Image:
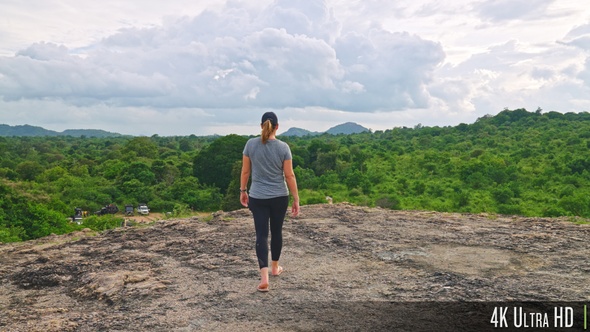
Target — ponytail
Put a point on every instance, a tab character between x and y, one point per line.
267	129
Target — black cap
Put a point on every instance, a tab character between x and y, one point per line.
270	116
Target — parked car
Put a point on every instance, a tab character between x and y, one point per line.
143	209
77	217
109	209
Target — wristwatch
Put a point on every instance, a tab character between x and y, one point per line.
244	190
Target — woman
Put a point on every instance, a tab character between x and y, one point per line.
270	162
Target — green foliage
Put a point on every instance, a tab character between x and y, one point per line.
308	197
23	219
514	163
213	165
190	192
141	147
102	223
517	162
390	201
231	201
11	234
139	171
306	178
577	204
181	210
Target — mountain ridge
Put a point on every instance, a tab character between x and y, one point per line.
28	130
346	128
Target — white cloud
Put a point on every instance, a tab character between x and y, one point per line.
374	60
584	75
47	71
209	62
578	37
506	10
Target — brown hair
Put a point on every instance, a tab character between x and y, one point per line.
267	129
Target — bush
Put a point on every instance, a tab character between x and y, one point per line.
102	223
13	234
181	210
509	209
554	212
576	205
161	205
389	202
502	195
308	197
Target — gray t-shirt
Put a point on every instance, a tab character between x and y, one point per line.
268	179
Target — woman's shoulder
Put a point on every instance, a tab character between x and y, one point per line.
254	140
279	142
283	146
251	145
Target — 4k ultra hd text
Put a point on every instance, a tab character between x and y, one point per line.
519	317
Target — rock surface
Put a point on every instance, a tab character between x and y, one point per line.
341	261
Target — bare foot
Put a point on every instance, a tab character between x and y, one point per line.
263	287
277	271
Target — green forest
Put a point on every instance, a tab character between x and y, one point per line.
514	163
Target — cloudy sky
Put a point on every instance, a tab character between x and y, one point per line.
179	67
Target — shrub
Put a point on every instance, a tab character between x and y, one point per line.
389	202
102	223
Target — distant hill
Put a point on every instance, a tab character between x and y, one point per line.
345	128
27	130
299	132
88	133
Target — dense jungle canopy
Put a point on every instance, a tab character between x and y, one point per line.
517	163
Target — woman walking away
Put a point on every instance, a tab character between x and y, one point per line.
269	161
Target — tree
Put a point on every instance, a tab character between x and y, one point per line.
231	200
213	165
535	164
28	170
23	219
137	191
139	171
142	147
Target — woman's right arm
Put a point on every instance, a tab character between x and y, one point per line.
292	184
246	168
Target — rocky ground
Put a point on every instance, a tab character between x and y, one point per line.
346	268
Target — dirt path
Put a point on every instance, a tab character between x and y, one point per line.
343	263
144	219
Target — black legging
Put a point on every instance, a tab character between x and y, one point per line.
265	210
